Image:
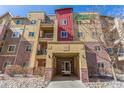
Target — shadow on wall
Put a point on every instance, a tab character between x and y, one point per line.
22	53
91	61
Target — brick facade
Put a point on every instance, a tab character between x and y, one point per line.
4	59
23	55
84	73
49	74
94	57
81	47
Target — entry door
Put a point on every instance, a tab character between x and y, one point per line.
66	67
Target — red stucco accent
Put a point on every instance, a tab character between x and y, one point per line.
65	14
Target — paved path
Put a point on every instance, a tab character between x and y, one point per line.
65	82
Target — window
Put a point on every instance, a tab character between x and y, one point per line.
64	34
11	48
81	34
110	50
120	52
31	34
8	63
78	22
48	35
64	22
0	48
1	45
18	22
101	65
33	22
15	35
97	48
1	21
94	34
28	48
114	65
25	64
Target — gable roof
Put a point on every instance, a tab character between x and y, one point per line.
7	13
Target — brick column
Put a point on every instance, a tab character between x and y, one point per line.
84	73
48	74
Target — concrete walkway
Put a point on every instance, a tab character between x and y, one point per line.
65	82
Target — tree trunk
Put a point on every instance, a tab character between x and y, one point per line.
114	73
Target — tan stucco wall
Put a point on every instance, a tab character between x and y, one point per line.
66	48
36	15
87	27
32	28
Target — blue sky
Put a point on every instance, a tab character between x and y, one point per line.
22	10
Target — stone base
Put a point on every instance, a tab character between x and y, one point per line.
84	73
48	74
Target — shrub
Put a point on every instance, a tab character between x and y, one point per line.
14	69
17	69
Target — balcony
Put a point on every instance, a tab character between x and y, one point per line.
121	58
121	54
48	24
46	36
45	39
41	54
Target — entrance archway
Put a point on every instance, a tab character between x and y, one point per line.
66	65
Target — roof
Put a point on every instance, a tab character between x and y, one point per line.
7	13
18	17
63	9
36	12
107	16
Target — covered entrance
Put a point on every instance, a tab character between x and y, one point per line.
66	64
66	59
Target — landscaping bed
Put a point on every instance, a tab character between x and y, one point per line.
22	82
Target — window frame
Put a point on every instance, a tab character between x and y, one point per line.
27	50
8	63
18	22
97	48
16	36
30	35
26	64
63	22
119	53
100	64
9	47
81	36
1	47
64	36
33	22
94	36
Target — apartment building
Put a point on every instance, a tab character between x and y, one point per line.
50	45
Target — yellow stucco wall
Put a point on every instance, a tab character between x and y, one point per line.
87	27
63	48
36	15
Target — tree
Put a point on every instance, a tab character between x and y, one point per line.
109	39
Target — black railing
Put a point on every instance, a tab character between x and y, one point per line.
47	22
42	52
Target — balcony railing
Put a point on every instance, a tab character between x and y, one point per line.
42	52
46	38
47	23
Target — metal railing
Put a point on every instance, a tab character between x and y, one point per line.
47	22
42	52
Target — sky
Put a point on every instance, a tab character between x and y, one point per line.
22	10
